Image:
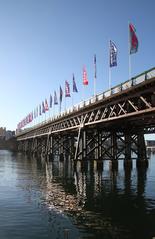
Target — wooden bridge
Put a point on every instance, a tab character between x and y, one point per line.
110	125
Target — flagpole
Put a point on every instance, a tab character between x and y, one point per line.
49	113
82	89
94	86
94	75
109	77
65	103
54	110
72	99
129	66
83	93
60	107
73	91
39	115
109	68
129	52
83	85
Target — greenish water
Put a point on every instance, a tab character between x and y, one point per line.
53	200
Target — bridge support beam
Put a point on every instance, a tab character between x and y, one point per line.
114	152
128	142
91	144
142	156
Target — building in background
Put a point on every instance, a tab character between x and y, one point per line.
2	133
9	134
6	134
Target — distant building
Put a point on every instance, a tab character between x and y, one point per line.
2	133
6	134
9	134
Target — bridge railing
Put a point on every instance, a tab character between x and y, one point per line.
114	90
99	97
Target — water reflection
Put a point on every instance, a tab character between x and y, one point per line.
40	199
104	203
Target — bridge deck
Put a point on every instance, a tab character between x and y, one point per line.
130	104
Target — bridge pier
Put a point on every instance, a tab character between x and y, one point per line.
51	155
114	146
84	145
98	147
92	144
128	149
113	151
142	156
61	148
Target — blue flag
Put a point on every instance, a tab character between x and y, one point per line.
39	109
50	101
113	54
74	85
55	98
61	94
43	107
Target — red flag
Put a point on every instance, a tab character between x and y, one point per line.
85	79
133	39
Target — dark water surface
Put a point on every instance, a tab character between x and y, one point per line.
52	200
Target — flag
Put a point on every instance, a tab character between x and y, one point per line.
50	101
113	54
55	98
95	66
61	94
67	89
43	107
133	39
85	79
35	113
39	109
27	119
46	105
32	115
74	85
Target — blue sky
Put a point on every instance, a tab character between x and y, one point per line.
43	42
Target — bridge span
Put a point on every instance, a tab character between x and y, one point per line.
110	125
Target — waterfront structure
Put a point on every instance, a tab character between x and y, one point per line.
2	133
6	134
110	125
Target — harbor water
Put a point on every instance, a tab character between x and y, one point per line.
56	200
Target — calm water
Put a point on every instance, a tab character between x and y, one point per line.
40	200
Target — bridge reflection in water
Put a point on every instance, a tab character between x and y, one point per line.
103	202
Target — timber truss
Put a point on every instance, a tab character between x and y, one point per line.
105	127
135	106
89	144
